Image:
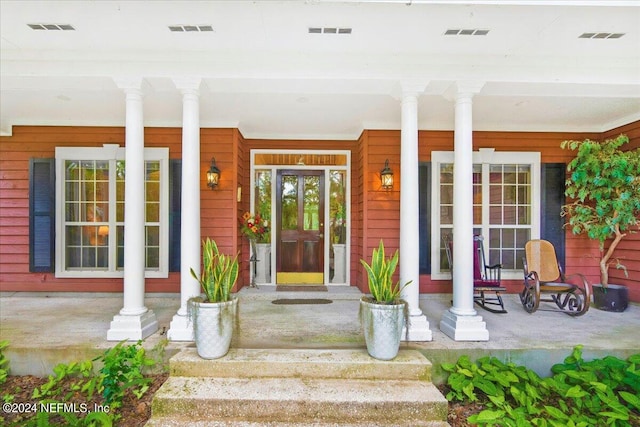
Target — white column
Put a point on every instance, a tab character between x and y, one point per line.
181	328
409	217
461	322
134	321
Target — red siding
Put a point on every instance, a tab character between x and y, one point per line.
581	252
629	249
375	212
380	208
358	209
26	143
40	141
242	205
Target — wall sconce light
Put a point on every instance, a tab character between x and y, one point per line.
213	175
386	176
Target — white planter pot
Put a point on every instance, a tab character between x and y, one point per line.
213	325
382	326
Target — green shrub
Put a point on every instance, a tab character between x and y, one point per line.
82	379
595	393
76	383
4	362
122	369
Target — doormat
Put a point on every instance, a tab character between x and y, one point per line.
300	288
301	301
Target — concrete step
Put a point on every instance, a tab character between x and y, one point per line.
297	388
184	422
300	400
292	363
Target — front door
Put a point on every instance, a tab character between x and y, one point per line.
300	235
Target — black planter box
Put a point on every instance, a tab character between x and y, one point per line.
611	298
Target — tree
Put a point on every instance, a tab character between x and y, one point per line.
605	187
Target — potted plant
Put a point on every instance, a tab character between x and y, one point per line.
257	230
214	312
604	184
384	314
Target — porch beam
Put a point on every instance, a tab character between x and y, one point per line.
134	321
418	328
461	322
181	328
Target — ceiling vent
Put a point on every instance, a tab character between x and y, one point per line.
466	32
600	35
52	27
190	28
330	30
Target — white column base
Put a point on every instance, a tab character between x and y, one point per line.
418	329
180	329
132	327
464	328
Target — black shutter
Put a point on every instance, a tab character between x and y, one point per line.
175	204
424	185
42	224
551	223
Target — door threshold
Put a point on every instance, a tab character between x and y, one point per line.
301	288
301	279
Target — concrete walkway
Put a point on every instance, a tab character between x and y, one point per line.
46	329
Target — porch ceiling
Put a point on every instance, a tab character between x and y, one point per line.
265	73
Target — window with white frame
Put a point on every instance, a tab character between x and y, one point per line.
506	206
90	201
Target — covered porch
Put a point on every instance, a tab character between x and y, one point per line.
46	329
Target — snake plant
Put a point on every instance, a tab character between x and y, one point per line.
219	272
380	275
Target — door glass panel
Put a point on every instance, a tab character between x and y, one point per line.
262	208
263	199
311	203
338	226
289	202
337	207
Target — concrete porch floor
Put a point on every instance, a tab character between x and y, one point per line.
46	329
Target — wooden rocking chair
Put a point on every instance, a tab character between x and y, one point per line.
543	275
486	278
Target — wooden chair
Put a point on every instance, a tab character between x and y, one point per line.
486	278
543	275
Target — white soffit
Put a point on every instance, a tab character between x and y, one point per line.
263	71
